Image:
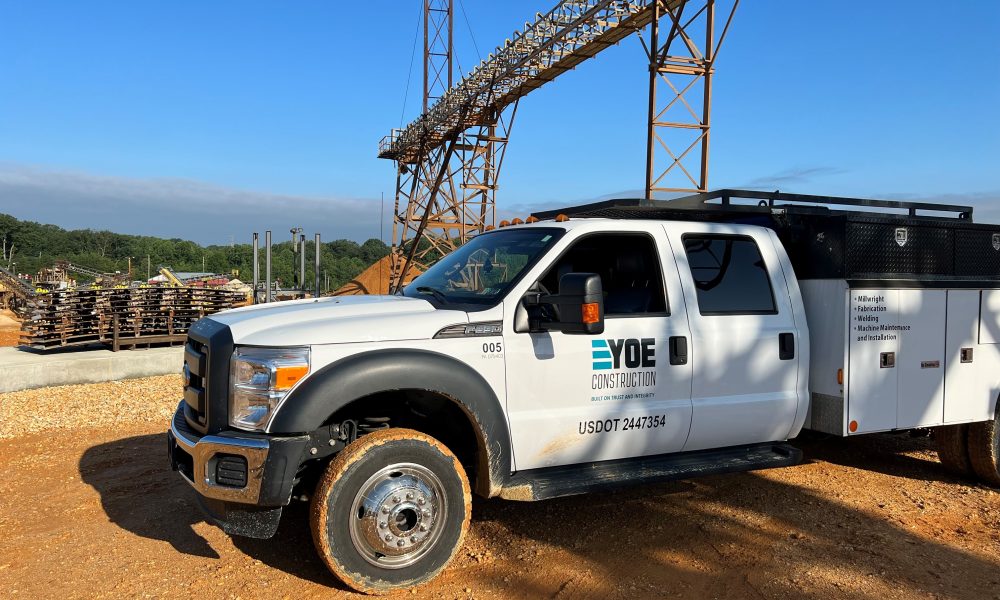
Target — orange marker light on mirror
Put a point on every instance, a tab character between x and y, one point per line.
286	377
853	426
591	314
840	376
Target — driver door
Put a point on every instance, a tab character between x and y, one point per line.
579	398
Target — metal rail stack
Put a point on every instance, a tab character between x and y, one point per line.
120	317
22	295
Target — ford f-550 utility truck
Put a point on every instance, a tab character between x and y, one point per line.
615	343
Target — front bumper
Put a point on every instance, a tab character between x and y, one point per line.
235	467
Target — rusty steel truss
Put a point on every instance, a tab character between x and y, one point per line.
449	159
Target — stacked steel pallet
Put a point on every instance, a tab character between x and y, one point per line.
120	317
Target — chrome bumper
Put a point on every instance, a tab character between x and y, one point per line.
205	451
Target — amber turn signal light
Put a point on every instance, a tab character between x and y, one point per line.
590	313
840	376
286	377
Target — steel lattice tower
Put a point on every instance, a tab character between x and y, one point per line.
449	159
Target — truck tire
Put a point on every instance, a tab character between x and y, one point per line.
953	448
390	511
984	450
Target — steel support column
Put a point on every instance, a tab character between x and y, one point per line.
679	122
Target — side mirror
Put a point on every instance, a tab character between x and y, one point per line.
577	308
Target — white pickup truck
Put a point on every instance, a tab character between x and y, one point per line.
617	343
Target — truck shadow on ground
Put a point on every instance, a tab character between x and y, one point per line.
741	535
738	536
888	453
140	493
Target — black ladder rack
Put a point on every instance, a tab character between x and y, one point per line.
766	203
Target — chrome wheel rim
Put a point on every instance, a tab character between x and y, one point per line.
398	515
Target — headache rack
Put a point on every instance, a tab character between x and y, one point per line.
830	237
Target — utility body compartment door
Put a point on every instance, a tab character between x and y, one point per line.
897	359
745	345
575	398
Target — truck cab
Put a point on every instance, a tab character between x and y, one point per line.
556	357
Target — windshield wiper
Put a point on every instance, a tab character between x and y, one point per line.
438	294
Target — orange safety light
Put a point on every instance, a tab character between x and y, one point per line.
490	228
504	223
531	219
516	222
561	217
286	377
853	426
591	314
840	376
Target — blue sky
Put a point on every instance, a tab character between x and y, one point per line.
208	119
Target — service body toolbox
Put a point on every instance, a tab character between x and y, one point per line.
622	342
901	312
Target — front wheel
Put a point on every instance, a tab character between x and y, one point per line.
390	511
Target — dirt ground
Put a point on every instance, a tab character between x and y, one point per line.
96	513
10	328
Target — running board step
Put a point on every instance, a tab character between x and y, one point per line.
554	482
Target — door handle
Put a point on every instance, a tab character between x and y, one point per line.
678	350
786	346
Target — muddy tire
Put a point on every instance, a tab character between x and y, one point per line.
390	511
953	448
984	450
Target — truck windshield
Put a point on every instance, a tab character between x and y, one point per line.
483	269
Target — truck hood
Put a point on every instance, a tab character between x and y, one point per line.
340	319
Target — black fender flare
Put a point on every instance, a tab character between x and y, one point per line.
341	382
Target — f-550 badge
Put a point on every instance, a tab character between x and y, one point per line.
996	241
901	236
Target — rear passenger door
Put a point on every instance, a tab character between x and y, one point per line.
744	343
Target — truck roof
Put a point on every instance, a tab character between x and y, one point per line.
830	237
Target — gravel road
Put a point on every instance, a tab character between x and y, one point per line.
94	512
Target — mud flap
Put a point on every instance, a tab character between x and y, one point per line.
241	519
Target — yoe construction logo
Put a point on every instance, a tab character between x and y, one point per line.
623	363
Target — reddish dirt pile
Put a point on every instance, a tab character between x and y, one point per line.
10	328
374	279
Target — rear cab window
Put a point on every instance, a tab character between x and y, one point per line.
729	274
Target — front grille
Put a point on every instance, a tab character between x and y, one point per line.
195	376
206	376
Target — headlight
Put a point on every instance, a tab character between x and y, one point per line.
259	378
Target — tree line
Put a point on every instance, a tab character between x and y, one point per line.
30	246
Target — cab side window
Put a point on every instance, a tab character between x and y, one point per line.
729	275
629	268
